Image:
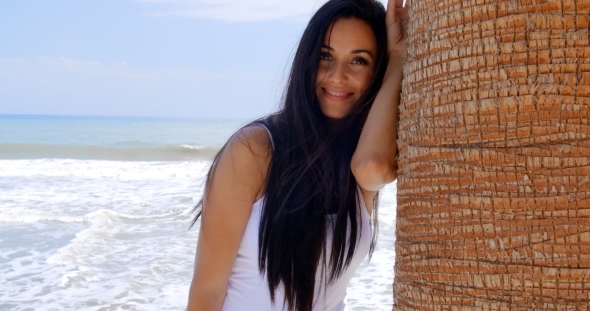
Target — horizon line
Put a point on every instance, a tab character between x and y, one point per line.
125	117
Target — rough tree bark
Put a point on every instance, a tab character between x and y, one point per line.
494	165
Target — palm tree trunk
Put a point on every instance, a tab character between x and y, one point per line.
494	165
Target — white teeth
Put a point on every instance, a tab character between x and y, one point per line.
336	94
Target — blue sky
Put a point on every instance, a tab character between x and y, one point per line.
155	58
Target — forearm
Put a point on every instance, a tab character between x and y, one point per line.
374	160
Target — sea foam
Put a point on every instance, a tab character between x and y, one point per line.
23	215
102	169
110	235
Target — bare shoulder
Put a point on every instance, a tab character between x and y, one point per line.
255	138
253	143
248	153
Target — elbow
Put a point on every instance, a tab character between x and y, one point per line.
375	172
203	300
203	296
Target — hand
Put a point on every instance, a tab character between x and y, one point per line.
395	19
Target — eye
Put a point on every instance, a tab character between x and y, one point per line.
325	56
360	61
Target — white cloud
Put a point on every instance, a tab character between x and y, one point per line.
239	10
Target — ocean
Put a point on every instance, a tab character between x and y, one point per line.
95	213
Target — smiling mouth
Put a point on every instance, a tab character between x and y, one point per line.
336	95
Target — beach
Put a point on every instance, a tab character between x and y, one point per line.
95	214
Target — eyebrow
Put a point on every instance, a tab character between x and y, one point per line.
352	52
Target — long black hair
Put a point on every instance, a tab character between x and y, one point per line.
309	176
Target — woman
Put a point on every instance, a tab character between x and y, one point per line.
288	201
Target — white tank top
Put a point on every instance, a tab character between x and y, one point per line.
247	289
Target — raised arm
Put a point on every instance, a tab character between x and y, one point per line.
238	181
374	160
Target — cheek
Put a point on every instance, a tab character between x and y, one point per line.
321	74
363	80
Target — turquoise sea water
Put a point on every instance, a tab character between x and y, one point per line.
112	138
94	213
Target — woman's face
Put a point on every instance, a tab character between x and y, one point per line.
347	65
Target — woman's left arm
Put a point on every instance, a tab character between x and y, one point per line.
374	161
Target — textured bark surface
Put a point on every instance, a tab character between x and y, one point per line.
494	165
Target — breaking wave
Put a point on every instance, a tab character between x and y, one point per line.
94	152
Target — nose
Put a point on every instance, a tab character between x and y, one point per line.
338	72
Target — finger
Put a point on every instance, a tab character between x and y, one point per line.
396	9
402	14
390	16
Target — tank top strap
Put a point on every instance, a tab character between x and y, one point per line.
269	135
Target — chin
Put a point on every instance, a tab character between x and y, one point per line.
336	111
332	114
